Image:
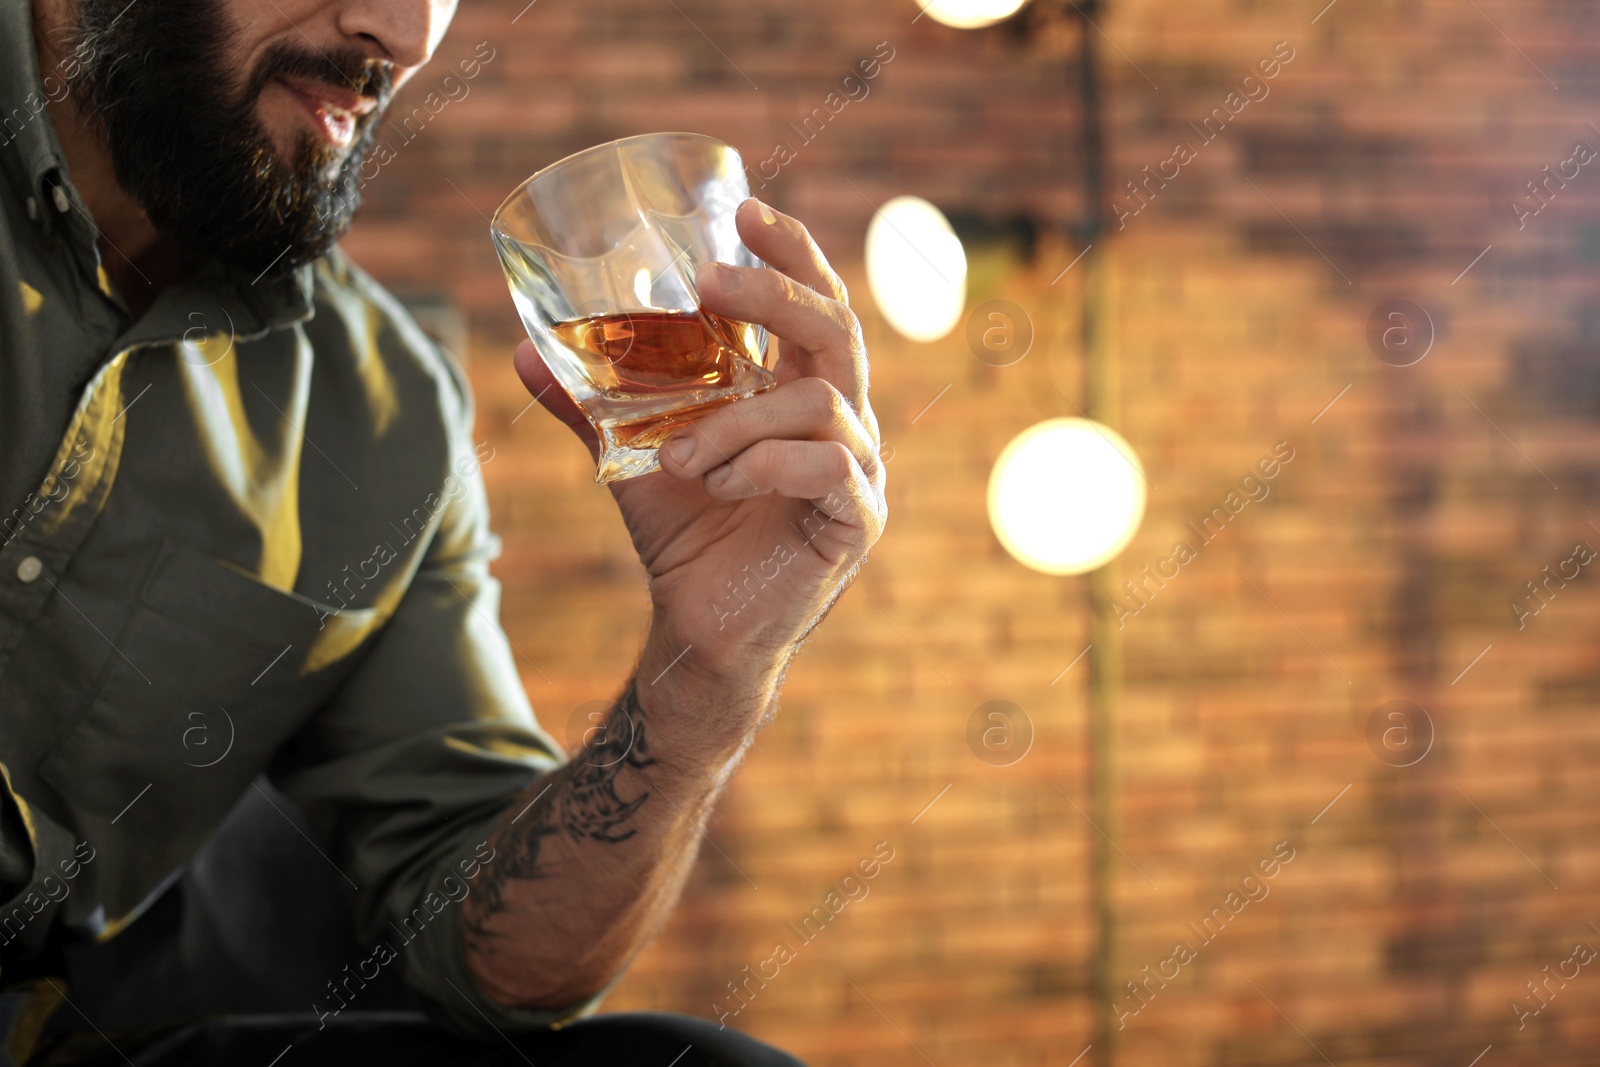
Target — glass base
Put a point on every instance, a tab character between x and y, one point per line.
619	462
629	448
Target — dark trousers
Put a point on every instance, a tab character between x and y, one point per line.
402	1039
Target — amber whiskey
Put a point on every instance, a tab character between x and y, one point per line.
670	367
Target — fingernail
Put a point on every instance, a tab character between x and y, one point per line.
767	215
719	477
730	278
679	449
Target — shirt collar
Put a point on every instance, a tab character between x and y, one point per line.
31	150
32	154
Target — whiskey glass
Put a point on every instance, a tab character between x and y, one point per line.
600	252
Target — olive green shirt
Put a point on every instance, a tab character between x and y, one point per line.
244	533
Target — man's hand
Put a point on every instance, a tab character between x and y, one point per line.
762	514
767	506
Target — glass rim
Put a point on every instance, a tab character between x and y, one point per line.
522	186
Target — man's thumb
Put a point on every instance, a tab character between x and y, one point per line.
542	384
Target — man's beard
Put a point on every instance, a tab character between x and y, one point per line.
186	141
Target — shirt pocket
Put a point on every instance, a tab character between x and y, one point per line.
213	671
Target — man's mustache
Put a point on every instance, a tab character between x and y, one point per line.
344	67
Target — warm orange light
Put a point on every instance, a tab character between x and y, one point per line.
971	14
1066	496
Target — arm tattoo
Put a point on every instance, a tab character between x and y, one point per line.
582	803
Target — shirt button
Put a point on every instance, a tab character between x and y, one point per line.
29	569
60	196
33	209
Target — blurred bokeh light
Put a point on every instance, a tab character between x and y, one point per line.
917	268
971	14
1066	496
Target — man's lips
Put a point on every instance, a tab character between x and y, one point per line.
333	110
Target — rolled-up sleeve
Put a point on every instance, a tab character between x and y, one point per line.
407	771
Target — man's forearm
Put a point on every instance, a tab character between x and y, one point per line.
592	858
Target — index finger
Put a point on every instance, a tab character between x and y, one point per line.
823	335
786	245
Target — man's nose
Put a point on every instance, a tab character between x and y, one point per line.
402	31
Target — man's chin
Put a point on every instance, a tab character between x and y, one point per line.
271	252
305	198
300	151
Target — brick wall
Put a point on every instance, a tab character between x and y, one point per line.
1383	564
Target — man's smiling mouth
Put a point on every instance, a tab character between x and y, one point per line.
333	110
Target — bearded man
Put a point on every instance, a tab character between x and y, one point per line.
244	510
